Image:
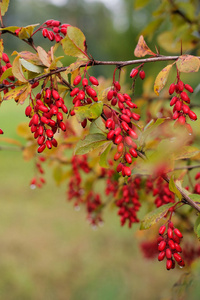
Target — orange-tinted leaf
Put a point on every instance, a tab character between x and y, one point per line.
43	55
10	141
188	63
142	49
161	79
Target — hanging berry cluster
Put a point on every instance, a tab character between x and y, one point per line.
38	180
197	184
160	189
46	113
129	202
121	129
83	93
169	246
54	30
180	103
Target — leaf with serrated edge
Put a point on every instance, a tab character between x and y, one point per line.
154	216
17	70
142	49
4	6
90	111
188	63
103	157
173	188
89	143
74	43
161	79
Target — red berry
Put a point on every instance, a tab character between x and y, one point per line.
28	110
77	80
128	158
142	74
170	233
118	139
169	264
49	144
171	88
117	85
41	148
180	86
189	88
45	32
162	229
5	58
1	131
162	246
173	100
127	171
168	253
161	255
85	82
133	73
185	97
55	95
192	115
133	152
178	233
93	80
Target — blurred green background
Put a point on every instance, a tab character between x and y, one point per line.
47	249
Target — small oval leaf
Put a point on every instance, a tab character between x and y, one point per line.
161	79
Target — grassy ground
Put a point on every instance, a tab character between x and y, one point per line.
48	251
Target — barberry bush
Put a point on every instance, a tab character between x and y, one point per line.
143	151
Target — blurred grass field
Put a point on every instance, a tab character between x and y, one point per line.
48	250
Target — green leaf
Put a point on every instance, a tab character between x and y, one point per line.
31	67
103	157
188	63
29	56
161	79
154	216
89	143
98	126
140	4
90	111
195	198
74	44
173	188
197	227
4	6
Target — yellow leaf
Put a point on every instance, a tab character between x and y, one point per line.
17	69
22	97
23	130
188	63
142	49
10	141
4	6
1	48
43	56
15	93
161	79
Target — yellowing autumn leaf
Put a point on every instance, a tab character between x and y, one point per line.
161	79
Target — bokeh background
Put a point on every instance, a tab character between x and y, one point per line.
47	249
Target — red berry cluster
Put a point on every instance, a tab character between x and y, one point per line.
54	29
38	180
162	193
190	253
111	182
121	129
94	205
197	184
84	94
75	189
169	246
46	117
5	59
129	203
149	249
180	103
